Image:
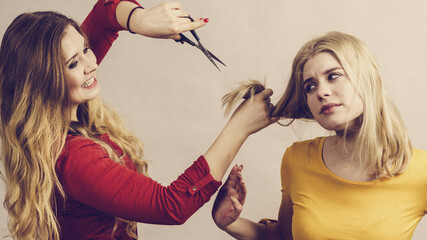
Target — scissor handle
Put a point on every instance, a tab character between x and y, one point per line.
185	39
193	31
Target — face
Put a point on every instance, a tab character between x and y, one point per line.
331	97
80	68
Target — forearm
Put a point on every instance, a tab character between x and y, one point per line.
222	152
244	229
122	15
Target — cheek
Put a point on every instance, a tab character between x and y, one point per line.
92	56
74	83
311	103
359	105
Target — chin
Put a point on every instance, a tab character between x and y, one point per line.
334	126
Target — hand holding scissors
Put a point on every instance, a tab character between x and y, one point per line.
166	20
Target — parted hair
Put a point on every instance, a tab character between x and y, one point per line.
382	142
35	116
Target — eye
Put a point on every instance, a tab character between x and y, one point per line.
333	76
73	65
86	50
309	87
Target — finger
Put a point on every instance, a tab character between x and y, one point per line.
236	204
181	14
265	94
232	177
270	108
239	172
242	192
199	22
172	5
274	119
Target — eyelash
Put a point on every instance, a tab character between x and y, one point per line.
330	76
74	64
311	85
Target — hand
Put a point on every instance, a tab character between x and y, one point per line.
230	199
166	20
254	114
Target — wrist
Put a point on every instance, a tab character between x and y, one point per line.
236	130
131	13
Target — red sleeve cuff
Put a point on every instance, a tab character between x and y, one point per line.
205	181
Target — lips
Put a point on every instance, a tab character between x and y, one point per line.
328	108
89	83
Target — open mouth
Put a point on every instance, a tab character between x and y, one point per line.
89	83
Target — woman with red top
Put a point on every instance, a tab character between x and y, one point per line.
72	170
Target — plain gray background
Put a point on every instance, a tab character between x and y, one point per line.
169	93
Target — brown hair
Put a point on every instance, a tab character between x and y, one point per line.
35	118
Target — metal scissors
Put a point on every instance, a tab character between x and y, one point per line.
199	45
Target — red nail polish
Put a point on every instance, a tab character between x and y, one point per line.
200	18
206	20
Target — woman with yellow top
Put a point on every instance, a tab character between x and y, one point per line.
364	182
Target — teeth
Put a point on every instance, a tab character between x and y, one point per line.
88	82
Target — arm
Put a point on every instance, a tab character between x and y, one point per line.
89	176
166	20
251	116
229	204
109	17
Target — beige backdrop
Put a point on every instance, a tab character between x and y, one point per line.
170	93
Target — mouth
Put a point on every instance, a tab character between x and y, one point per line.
329	108
89	83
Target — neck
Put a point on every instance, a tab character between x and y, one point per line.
344	143
74	113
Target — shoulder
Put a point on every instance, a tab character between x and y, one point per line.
302	151
419	158
74	143
79	151
304	147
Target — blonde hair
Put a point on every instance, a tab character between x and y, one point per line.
382	144
35	119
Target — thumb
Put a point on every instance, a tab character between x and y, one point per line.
266	93
175	37
236	204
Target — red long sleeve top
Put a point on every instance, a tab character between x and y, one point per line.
98	189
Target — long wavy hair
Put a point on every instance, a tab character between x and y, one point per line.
35	115
382	143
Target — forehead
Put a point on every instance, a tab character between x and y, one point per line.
71	42
319	64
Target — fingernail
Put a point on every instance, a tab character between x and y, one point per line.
206	20
201	18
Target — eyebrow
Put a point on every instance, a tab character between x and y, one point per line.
325	72
85	44
75	55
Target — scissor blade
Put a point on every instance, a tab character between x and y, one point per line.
210	54
214	57
203	49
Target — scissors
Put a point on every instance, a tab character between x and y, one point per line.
199	45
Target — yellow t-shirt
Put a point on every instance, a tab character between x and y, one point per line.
320	205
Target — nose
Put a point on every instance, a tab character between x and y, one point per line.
90	63
323	90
